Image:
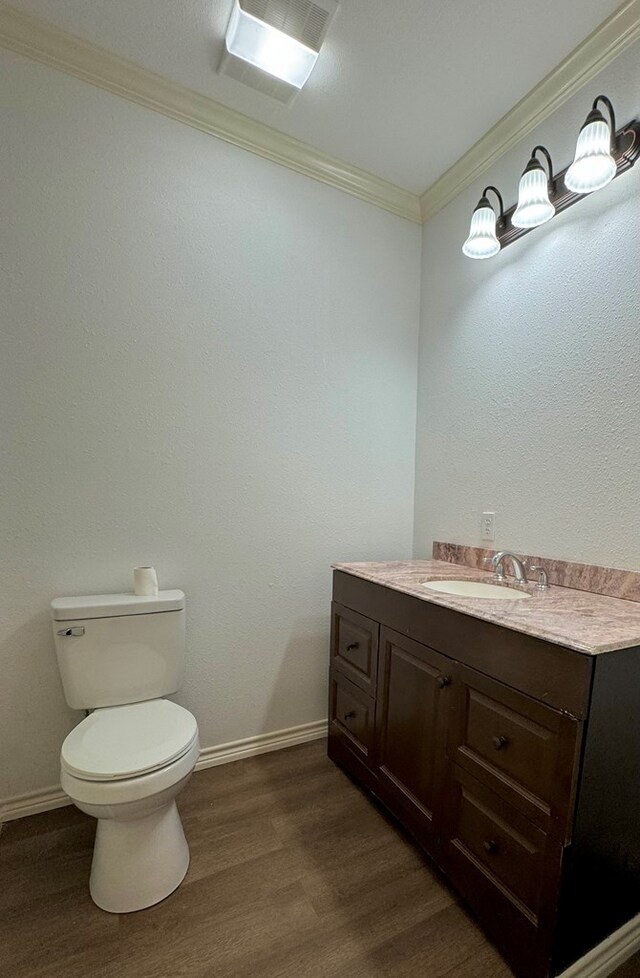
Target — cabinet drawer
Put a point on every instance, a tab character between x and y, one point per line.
506	868
520	748
351	714
497	837
354	647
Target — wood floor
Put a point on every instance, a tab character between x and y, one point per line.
631	969
294	874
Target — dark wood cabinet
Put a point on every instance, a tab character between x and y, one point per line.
411	730
493	749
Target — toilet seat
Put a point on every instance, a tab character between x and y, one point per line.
119	743
124	791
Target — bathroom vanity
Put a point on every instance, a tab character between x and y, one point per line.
507	742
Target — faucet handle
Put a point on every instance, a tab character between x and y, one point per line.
543	578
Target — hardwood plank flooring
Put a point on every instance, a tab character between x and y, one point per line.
294	873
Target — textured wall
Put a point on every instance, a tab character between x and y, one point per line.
529	376
208	363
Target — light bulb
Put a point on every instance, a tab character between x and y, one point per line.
482	241
594	166
534	206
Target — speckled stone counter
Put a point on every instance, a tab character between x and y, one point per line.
581	620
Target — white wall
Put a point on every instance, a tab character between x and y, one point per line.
529	377
208	363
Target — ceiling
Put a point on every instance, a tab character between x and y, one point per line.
402	88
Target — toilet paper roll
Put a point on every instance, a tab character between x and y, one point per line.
145	582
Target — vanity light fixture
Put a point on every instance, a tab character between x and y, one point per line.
602	153
483	240
594	166
534	206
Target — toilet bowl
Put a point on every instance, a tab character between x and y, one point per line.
125	765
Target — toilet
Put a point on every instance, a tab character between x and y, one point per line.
119	655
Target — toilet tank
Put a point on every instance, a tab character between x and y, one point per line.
119	648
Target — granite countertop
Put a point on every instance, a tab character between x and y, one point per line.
581	620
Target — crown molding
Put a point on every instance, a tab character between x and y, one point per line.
43	42
610	39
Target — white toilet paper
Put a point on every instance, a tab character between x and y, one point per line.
145	582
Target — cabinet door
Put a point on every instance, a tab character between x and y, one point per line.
414	685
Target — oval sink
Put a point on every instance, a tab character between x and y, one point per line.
476	589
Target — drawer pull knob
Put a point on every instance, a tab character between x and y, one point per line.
444	681
490	846
499	742
350	715
353	646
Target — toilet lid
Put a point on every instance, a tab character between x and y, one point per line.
126	741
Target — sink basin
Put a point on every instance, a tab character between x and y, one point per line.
476	589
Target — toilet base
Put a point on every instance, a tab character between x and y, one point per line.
138	861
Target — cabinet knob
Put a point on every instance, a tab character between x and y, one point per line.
353	646
499	742
350	715
444	681
490	846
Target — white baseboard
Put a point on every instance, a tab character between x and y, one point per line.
609	955
262	744
32	803
35	802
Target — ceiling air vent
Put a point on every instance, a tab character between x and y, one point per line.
272	45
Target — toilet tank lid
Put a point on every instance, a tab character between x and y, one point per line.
115	605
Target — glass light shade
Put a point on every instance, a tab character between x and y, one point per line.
482	241
594	166
534	206
269	49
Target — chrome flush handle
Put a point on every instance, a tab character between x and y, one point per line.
72	632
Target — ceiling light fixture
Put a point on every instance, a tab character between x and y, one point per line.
534	206
273	45
602	153
594	166
483	241
269	49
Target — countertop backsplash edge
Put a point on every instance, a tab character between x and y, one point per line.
609	581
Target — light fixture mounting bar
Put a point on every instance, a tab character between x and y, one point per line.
626	152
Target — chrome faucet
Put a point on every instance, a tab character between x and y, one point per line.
497	561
